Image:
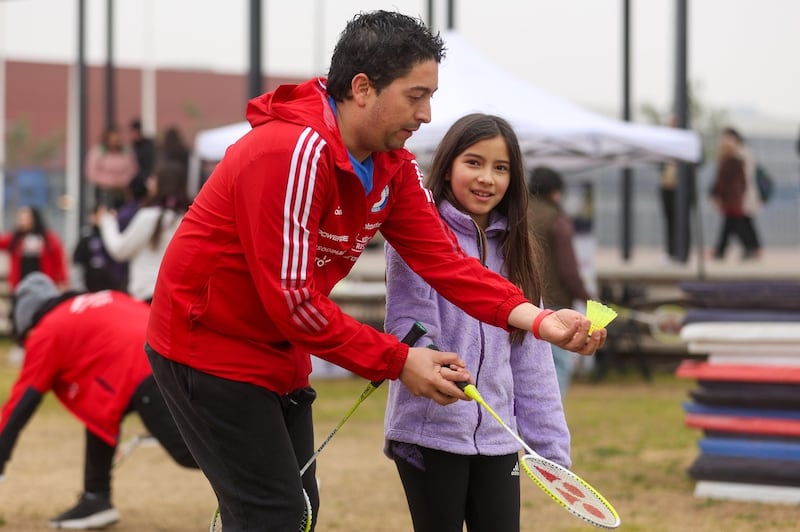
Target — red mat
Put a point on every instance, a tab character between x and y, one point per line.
746	425
690	369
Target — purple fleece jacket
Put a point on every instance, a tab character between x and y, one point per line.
517	380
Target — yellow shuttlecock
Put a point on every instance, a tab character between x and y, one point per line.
599	314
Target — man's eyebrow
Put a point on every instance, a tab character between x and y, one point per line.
421	88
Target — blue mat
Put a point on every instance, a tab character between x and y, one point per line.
769	450
691	407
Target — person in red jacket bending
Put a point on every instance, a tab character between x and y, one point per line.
87	349
242	296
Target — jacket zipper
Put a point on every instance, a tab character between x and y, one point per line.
482	245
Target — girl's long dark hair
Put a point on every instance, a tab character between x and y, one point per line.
520	249
171	180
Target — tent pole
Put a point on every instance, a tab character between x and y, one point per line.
111	95
683	197
626	224
82	111
254	84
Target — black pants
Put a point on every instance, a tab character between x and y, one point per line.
148	402
671	246
481	491
741	227
249	442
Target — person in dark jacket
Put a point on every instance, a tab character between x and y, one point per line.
563	284
145	150
87	349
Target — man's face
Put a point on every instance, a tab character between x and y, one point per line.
399	109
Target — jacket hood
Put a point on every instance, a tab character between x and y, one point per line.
304	104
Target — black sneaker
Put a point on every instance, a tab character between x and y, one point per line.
93	511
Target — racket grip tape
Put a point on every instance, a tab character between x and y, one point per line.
416	332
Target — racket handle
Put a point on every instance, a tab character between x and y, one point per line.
461	384
416	332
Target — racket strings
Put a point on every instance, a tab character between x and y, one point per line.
570	491
305	524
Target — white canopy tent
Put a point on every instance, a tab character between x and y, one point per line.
551	130
210	145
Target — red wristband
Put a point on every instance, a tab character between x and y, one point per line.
538	322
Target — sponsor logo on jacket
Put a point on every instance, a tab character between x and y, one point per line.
381	203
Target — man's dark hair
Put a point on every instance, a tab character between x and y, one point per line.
384	45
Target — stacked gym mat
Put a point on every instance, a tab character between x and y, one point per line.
747	400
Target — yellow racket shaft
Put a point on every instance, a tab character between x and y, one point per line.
546	467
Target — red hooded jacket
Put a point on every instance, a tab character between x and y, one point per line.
243	288
51	262
88	351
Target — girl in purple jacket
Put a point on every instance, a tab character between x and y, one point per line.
456	464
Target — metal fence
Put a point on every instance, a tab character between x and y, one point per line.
778	223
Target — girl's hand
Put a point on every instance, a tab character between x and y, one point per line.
569	329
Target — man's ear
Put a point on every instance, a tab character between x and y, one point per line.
361	87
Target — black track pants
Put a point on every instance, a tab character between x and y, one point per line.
249	442
481	491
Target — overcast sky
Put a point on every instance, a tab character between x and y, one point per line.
743	54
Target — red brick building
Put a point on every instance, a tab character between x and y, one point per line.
37	99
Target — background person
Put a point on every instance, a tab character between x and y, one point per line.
173	147
32	247
735	196
144	149
553	230
455	463
752	199
144	240
110	166
242	295
87	349
98	271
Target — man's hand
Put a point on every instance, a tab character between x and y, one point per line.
430	373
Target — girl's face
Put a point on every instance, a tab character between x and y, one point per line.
25	219
479	178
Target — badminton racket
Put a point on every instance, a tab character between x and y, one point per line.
125	449
664	322
562	485
305	524
415	333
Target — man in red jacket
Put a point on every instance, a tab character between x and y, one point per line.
242	300
87	349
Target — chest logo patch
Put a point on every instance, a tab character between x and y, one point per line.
381	203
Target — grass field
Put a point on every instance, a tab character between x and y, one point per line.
629	441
